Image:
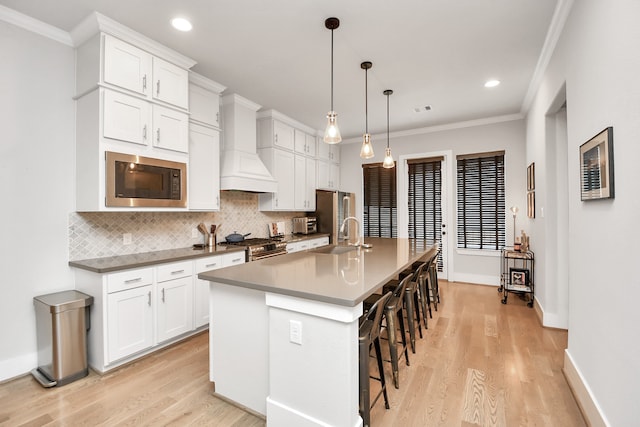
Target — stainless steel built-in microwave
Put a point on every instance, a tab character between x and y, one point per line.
136	181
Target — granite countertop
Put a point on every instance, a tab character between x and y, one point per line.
343	279
124	262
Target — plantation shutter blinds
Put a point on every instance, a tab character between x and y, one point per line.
481	201
380	206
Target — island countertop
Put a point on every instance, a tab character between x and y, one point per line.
344	279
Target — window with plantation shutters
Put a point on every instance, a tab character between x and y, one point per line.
380	206
481	204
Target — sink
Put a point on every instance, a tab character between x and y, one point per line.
334	249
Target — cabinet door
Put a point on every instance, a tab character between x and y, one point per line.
283	135
284	174
170	129
204	106
327	175
320	241
170	83
310	145
204	168
175	307
201	290
129	322
310	184
293	247
126	66
300	139
233	258
126	118
299	183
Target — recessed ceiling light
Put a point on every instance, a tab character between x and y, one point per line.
181	24
492	83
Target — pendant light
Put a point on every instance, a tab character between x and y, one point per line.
366	152
332	133
388	162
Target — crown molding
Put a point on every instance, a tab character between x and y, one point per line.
445	127
558	21
234	98
206	83
35	26
97	22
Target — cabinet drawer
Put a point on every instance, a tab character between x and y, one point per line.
129	279
174	270
206	264
233	258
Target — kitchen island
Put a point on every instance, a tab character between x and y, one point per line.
284	330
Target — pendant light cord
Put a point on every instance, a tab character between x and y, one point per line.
366	101
331	70
387	120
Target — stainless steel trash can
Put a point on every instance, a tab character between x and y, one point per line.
62	321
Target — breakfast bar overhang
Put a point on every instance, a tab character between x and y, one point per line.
284	330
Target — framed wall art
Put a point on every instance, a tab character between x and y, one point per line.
531	177
596	167
531	204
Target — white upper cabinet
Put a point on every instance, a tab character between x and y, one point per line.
204	168
305	143
126	118
283	135
170	83
170	129
126	66
204	100
328	175
304	183
311	145
330	152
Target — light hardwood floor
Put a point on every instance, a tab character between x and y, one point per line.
480	363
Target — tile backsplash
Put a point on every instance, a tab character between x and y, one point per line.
100	234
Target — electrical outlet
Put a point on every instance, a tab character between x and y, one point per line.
194	233
295	331
126	239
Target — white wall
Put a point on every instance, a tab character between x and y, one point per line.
597	59
37	149
463	138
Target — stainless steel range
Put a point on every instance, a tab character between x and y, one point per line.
257	249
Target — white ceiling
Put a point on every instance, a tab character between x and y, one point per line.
277	52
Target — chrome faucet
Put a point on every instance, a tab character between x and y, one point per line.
344	223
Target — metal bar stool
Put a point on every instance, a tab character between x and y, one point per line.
434	287
393	310
369	334
410	303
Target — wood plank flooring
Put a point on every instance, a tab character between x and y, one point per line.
481	363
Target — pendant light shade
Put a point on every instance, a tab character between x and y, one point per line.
332	133
388	162
366	152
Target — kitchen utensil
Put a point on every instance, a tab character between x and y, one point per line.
203	229
236	237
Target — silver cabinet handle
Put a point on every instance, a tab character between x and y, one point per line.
144	132
162	294
211	265
144	83
137	279
276	139
149	301
158	88
217	200
218	118
236	260
158	135
178	271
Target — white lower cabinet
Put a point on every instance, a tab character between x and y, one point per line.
129	322
303	245
174	296
139	310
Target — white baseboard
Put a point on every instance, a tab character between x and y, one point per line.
581	391
476	278
18	366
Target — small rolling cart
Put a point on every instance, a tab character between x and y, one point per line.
517	274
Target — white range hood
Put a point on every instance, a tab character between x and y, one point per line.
241	168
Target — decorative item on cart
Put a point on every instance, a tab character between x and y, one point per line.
524	241
519	279
596	167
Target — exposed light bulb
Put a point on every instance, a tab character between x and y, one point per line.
388	162
332	133
492	83
366	152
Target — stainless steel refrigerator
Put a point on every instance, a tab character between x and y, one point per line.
332	207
